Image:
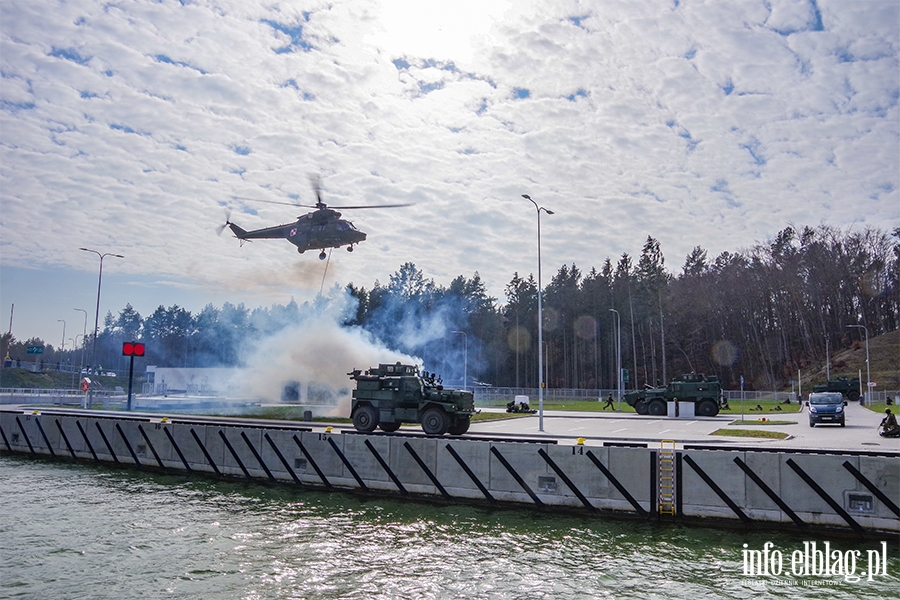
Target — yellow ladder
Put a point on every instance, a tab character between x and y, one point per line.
666	477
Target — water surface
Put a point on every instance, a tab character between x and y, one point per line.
75	530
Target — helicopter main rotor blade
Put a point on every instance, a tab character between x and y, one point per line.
371	206
320	205
317	188
272	202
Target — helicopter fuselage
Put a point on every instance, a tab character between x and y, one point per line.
321	229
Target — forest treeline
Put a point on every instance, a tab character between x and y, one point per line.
761	314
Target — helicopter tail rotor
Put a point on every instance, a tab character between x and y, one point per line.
227	222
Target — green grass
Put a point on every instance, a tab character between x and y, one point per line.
768	406
878	407
47	380
756	433
582	405
749	422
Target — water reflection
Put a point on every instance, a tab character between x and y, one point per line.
94	532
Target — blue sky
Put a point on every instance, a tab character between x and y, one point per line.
127	127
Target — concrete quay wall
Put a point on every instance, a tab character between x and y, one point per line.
850	491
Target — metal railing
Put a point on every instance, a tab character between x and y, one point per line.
51	396
500	396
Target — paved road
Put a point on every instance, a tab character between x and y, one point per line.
860	432
566	427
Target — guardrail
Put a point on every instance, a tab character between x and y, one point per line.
500	396
52	396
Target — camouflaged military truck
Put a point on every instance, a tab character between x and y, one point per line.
704	391
389	395
845	385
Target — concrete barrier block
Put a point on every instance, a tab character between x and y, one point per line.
884	473
721	469
98	434
240	440
524	460
190	449
286	447
767	467
407	469
363	461
580	470
116	445
215	447
21	430
631	467
475	455
74	428
828	474
72	434
159	443
324	456
123	435
43	443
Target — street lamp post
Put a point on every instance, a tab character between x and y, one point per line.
618	357
62	346
540	292
96	317
83	340
866	397
465	357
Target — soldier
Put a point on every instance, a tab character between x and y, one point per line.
889	425
609	403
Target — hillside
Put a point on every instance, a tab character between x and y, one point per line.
22	378
884	354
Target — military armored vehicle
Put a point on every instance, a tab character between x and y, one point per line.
389	395
846	386
703	391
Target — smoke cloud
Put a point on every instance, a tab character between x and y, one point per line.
315	355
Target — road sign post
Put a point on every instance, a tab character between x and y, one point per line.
85	387
131	349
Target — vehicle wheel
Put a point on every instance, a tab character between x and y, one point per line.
853	396
435	421
707	408
365	419
842	423
641	408
460	426
657	408
389	427
811	424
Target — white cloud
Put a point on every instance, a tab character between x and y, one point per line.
127	127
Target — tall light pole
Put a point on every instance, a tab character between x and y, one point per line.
71	368
618	357
97	317
868	372
83	339
540	292
465	357
62	346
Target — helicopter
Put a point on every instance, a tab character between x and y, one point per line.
318	230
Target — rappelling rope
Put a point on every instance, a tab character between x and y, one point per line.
322	287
